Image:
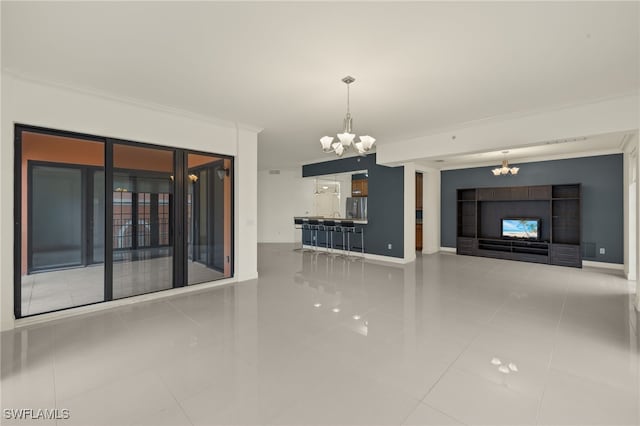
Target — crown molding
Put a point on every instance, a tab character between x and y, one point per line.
516	161
129	101
629	142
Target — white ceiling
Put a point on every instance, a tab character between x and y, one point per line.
548	150
419	66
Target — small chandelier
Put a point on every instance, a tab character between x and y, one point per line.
346	139
505	169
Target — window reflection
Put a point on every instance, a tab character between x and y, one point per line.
208	218
142	222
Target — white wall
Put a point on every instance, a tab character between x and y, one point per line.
285	195
63	108
280	198
409	212
246	206
631	170
430	210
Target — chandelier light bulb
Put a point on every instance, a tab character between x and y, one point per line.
367	142
346	138
504	369
326	143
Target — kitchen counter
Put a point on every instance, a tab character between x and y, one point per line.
337	219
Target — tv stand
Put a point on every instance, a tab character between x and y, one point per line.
513	249
480	211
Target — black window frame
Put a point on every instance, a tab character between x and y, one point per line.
177	205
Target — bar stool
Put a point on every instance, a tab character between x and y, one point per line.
329	227
360	231
347	227
299	223
313	225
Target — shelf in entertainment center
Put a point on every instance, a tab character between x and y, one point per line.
556	207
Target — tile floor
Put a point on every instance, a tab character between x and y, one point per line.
323	341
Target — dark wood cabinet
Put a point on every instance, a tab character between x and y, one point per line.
542	192
418	236
485	194
359	188
418	191
479	214
566	255
466	246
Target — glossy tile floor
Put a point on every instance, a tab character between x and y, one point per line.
323	341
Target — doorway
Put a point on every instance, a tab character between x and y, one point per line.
418	236
633	219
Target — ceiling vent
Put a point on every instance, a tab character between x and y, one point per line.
566	140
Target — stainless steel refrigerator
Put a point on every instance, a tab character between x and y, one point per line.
357	208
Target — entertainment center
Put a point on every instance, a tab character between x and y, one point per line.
527	223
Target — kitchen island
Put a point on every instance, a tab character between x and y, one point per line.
318	238
321	219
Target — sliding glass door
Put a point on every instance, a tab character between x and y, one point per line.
141	177
100	219
208	216
60	219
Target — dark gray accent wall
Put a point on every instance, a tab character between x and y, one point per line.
602	197
385	202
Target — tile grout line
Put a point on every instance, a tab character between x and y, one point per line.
555	337
413	410
443	413
174	398
466	348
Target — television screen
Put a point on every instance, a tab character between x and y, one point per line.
521	228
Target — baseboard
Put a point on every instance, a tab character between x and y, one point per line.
368	256
448	249
248	277
605	265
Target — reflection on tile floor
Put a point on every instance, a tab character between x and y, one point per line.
51	291
317	340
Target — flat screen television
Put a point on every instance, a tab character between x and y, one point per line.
525	228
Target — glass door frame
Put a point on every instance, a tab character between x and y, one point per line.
178	207
87	174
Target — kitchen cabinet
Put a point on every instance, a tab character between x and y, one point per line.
418	236
359	188
418	191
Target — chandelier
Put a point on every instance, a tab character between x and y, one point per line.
346	138
505	169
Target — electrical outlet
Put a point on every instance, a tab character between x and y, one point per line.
602	250
389	246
